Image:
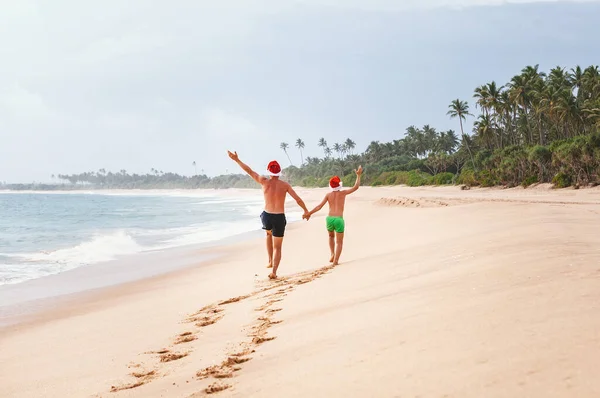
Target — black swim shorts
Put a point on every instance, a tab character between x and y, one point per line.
274	222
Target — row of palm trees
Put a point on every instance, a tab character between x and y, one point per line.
534	107
418	143
342	150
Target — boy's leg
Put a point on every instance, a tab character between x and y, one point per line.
339	243
340	226
329	224
331	245
270	248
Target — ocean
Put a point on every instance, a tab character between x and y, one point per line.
44	234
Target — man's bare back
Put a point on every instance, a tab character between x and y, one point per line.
275	192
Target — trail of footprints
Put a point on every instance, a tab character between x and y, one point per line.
273	291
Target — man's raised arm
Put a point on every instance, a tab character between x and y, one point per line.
246	168
357	183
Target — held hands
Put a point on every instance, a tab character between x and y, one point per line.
233	156
359	171
306	216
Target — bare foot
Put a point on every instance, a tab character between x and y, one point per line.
331	258
336	263
270	266
272	276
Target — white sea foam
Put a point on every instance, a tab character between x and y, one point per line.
98	249
109	247
240	215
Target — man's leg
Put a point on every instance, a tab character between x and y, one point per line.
277	243
270	248
331	245
339	243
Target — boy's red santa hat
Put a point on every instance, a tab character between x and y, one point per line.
335	183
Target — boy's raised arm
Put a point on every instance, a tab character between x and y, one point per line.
246	168
357	183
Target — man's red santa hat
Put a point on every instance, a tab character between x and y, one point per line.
274	169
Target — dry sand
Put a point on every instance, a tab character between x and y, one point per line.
441	293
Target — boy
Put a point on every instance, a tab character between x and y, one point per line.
335	220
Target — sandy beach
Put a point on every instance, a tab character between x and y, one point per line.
440	293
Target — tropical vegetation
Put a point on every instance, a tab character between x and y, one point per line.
538	127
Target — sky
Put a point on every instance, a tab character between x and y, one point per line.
148	84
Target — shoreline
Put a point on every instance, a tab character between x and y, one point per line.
23	301
499	287
29	299
133	192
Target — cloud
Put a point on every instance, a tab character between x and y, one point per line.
223	125
394	5
21	105
129	44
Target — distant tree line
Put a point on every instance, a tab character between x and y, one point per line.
538	127
102	179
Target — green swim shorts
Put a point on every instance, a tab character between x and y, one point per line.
335	224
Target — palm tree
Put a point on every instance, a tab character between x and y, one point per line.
506	109
451	141
350	145
285	146
482	95
460	109
484	130
322	144
327	152
300	146
195	169
430	137
446	142
344	149
338	148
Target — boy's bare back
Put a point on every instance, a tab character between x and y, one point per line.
336	201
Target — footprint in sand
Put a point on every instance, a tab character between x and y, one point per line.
207	316
211	314
142	378
268	304
235	299
185	338
172	356
260	340
216	387
225	370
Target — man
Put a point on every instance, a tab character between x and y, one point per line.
273	217
335	220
